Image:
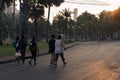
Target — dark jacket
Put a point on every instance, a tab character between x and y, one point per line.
51	44
33	46
22	45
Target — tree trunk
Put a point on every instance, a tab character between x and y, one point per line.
36	28
14	24
0	26
1	36
47	25
23	17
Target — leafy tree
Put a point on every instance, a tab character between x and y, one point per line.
66	13
116	18
106	24
36	4
87	23
115	15
61	22
41	27
3	5
24	15
71	28
49	4
36	11
30	9
7	26
58	24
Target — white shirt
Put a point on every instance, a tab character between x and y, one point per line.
58	47
17	44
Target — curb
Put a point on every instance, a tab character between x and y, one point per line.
27	57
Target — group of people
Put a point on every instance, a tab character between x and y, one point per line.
56	48
20	47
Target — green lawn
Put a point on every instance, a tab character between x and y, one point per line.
7	50
42	45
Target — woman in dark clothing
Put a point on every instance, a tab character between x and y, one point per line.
22	48
33	50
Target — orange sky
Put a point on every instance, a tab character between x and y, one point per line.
94	9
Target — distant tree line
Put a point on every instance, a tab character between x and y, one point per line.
104	26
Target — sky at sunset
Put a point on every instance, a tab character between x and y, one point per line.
91	6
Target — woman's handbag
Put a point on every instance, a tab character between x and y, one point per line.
17	54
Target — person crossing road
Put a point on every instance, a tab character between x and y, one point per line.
59	50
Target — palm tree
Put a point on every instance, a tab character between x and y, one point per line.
50	3
3	5
59	22
71	28
66	13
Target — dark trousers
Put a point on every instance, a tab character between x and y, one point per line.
22	56
17	49
57	56
33	53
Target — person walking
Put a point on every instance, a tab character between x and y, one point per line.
33	50
17	55
22	48
17	44
59	46
51	44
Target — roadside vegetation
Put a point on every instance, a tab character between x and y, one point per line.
31	21
8	49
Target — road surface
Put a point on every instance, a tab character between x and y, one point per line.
86	61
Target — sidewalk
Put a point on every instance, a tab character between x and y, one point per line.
8	59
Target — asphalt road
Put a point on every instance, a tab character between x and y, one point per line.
86	61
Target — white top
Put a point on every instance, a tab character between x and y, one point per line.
17	44
58	47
